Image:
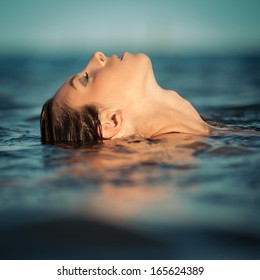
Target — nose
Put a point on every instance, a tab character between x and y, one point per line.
96	62
100	58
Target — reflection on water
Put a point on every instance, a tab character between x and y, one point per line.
131	175
176	196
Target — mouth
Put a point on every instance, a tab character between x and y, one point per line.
119	57
123	55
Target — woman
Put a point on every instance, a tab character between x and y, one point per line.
115	97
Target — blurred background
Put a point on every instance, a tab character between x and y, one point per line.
182	197
155	26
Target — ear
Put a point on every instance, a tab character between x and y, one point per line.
111	124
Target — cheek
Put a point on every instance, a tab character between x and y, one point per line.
119	79
104	87
113	79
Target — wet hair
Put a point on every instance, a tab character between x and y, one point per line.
61	124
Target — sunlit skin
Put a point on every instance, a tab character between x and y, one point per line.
130	100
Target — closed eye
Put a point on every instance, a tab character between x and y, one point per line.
84	80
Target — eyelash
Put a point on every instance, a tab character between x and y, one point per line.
84	79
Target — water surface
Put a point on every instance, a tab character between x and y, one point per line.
175	197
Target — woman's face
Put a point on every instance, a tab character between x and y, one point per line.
111	80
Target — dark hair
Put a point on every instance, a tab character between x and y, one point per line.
62	124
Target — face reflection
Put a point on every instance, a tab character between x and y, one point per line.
109	80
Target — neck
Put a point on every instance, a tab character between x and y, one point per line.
166	111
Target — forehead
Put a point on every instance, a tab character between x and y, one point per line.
65	92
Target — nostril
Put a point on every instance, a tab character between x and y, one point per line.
100	56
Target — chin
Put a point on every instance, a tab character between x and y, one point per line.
140	56
144	61
144	57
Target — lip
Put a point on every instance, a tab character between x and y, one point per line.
123	55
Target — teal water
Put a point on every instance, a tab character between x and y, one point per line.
176	197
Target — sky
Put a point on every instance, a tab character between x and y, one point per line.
159	26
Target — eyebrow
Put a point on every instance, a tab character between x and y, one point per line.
71	81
